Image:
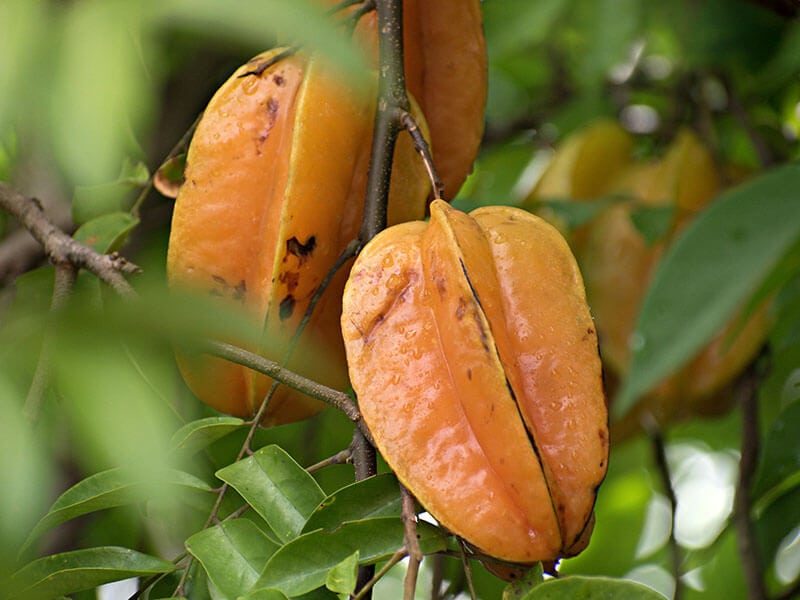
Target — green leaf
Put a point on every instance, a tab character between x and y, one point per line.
513	25
776	521
254	22
377	496
61	574
574	214
100	99
303	564
233	554
519	590
710	271
591	588
342	578
652	222
107	233
27	473
780	460
115	487
279	489
196	435
265	594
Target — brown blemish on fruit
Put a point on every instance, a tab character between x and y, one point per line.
290	279
279	80
461	308
286	307
299	249
239	291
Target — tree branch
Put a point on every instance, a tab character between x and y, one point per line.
742	504
272	369
662	466
61	248
409	515
391	103
65	276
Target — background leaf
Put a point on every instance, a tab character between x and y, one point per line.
708	272
196	435
62	574
591	588
109	489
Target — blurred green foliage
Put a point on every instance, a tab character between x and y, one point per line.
96	92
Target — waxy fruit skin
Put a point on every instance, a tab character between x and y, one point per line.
446	69
618	263
274	190
474	358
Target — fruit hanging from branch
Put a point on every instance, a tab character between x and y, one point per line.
446	71
475	362
274	191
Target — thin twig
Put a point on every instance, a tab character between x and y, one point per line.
409	123
61	248
742	504
176	149
154	579
392	100
366	589
339	458
744	119
262	365
65	276
662	466
438	576
467	568
409	516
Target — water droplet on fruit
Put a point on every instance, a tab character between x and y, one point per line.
250	85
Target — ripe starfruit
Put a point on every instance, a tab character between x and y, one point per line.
274	191
446	71
475	362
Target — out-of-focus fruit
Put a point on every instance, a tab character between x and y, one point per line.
618	262
274	190
474	358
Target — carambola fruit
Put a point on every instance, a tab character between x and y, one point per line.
275	185
475	363
618	262
446	71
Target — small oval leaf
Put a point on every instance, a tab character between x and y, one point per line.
233	554
277	488
303	564
377	496
196	435
107	233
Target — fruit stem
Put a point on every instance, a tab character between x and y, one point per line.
392	101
